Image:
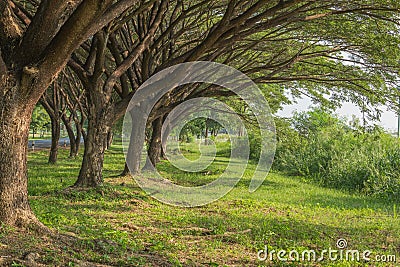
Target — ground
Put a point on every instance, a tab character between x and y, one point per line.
119	225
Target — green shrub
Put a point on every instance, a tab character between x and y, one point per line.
336	155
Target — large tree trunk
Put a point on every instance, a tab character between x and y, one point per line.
14	131
137	137
154	151
91	173
55	138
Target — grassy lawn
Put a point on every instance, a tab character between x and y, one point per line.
119	225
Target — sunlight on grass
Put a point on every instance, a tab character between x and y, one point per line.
119	224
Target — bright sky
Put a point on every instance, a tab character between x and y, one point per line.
388	118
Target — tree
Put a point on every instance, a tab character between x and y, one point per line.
40	120
104	66
54	106
314	120
33	52
76	110
155	149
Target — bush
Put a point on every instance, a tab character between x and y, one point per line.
339	156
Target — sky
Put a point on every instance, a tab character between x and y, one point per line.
388	119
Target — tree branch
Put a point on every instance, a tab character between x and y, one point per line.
74	32
134	55
50	14
10	31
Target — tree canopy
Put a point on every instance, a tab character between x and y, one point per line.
329	50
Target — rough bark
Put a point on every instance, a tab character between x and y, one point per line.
23	79
91	173
14	130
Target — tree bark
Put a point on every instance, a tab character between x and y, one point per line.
74	140
110	138
206	135
163	154
91	173
155	149
126	171
14	131
53	104
73	150
55	138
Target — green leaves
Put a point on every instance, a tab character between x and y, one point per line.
322	147
40	120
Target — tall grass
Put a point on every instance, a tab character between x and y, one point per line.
321	146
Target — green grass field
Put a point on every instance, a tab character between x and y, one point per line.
119	225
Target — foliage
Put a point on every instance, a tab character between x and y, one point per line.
40	120
319	145
197	128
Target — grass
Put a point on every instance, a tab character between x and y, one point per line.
119	225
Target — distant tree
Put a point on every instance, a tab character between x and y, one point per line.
311	121
54	105
40	121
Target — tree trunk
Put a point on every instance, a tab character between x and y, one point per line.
206	136
14	131
163	154
71	137
74	151
74	139
78	137
91	173
126	171
55	138
136	143
110	138
154	150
